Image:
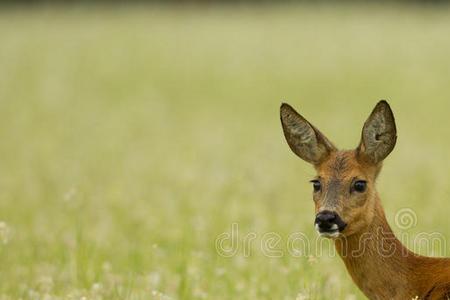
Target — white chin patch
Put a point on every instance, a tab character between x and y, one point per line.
334	233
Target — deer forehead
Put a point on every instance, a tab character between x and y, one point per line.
342	166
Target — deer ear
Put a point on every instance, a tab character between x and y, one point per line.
303	138
378	135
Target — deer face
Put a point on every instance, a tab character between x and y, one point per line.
344	189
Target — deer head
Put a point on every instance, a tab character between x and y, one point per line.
344	189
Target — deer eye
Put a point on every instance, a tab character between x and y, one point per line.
316	185
360	186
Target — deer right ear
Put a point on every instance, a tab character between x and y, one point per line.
303	138
379	134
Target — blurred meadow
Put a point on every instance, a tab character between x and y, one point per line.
131	137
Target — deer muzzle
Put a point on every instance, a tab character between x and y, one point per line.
329	224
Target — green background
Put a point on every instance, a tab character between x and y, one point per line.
132	137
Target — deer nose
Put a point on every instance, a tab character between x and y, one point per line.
329	223
326	221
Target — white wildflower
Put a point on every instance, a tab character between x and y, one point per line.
301	296
5	233
220	272
154	279
106	267
96	287
312	259
70	194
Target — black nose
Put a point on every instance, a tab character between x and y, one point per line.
325	220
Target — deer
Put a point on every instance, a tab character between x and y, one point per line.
348	209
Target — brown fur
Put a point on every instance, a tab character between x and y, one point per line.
375	259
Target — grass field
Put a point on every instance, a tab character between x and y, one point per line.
131	138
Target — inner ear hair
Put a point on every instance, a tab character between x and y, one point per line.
379	134
303	138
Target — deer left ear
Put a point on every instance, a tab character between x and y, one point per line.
379	134
303	138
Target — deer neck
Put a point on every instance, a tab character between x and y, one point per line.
377	261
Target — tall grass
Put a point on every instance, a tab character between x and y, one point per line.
131	138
